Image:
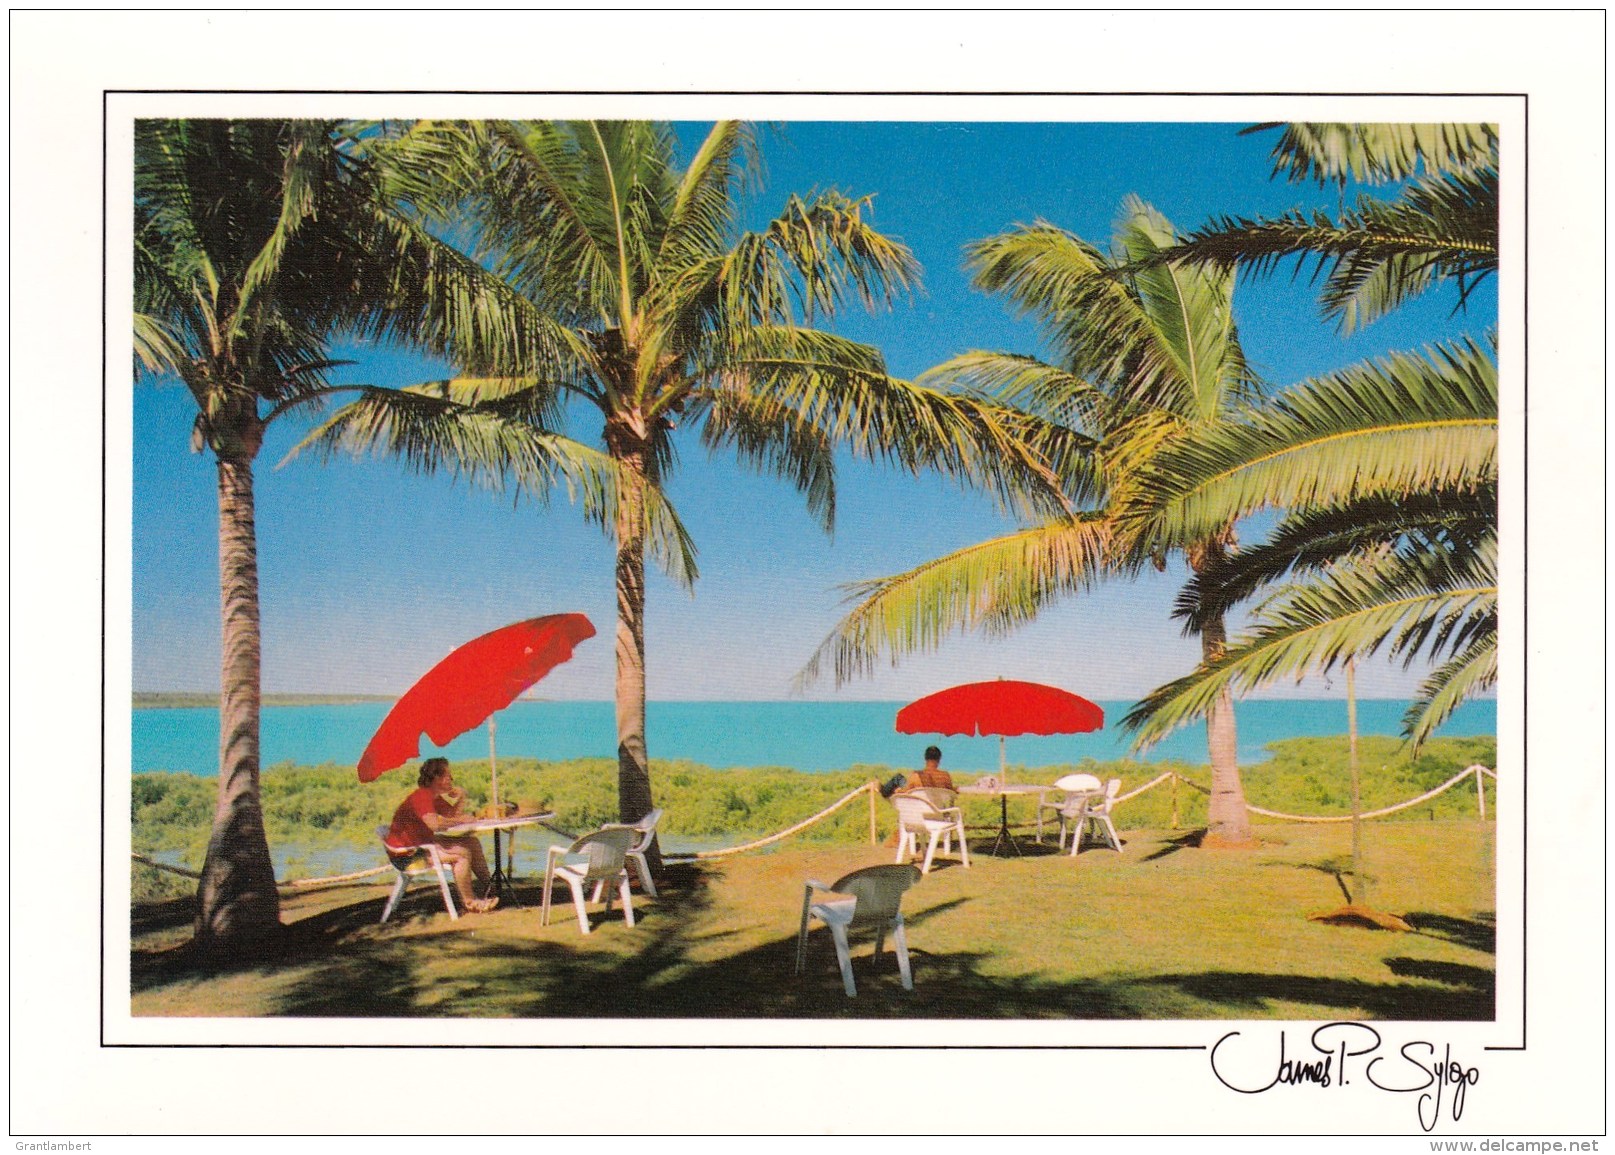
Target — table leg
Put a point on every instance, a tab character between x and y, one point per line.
1003	828
501	884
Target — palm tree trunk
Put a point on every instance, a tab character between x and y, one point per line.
1227	820
236	899
633	763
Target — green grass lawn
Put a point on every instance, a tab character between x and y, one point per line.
1162	931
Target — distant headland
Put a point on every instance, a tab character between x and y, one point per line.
182	699
173	699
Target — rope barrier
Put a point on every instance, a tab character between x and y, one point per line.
873	788
1468	772
333	880
291	884
183	873
1120	798
866	788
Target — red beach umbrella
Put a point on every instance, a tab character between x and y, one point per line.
1003	707
466	688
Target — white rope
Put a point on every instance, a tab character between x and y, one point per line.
1120	798
295	884
306	883
869	787
866	788
1467	772
1425	797
144	861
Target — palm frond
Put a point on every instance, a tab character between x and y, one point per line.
1412	601
770	436
1331	153
307	167
1026	383
431	428
840	388
158	349
1398	425
993	586
537	222
1310	540
430	293
809	261
703	209
1188	312
1443	227
1461	677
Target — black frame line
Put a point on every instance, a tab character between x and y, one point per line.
108	94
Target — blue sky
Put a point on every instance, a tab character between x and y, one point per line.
369	573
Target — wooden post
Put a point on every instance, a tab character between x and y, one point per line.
1174	800
874	839
1356	788
1480	789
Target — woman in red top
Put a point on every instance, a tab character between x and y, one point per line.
433	805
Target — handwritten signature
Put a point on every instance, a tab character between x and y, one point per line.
1340	1051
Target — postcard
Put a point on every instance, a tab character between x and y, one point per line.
980	554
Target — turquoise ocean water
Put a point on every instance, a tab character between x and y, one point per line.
812	736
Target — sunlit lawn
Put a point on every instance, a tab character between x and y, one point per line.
1162	931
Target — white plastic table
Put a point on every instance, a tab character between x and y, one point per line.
500	883
1004	790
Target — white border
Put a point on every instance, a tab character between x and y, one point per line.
56	235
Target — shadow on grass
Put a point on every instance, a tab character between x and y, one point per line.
155	917
1189	841
1465	993
340	962
1335	868
1479	933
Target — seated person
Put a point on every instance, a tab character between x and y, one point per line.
931	774
928	776
433	805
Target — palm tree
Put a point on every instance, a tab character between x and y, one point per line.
1441	226
1148	355
1389	469
256	243
671	319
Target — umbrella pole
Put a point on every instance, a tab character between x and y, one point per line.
493	766
1003	764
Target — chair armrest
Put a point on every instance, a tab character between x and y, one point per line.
829	899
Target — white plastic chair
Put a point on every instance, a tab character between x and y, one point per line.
932	813
598	860
644	830
1071	784
1096	813
873	895
404	858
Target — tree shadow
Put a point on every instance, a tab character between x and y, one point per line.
1447	973
1466	993
340	962
1328	867
1479	933
1189	841
155	917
